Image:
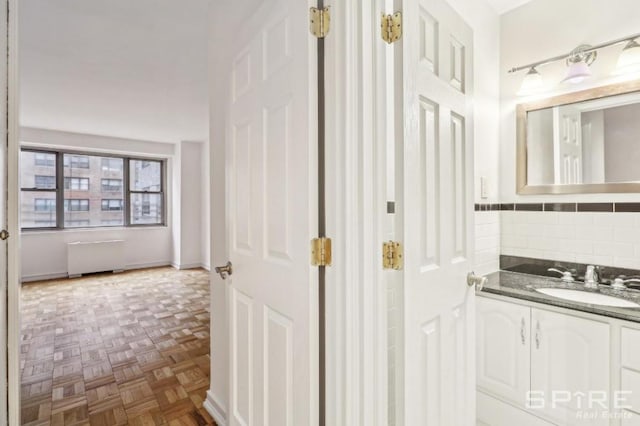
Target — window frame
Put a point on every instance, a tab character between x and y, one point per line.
59	190
128	191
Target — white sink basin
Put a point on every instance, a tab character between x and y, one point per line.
587	297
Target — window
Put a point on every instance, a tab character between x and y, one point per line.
146	195
44	205
76	184
45	182
112	164
76	161
112	205
38	186
130	191
76	205
44	159
111	185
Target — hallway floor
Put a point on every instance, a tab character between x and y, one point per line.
116	349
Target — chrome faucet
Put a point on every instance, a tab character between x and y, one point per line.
592	277
620	282
567	276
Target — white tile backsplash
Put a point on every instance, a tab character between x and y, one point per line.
611	239
487	242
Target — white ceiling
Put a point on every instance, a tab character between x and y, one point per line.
502	6
133	69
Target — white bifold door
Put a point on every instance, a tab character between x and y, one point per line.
271	218
435	180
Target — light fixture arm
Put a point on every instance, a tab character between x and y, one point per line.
583	53
588	50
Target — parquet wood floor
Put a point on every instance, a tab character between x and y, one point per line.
116	349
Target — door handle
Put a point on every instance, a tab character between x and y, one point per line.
538	334
476	281
225	270
522	331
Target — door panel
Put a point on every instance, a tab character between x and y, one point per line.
436	191
272	199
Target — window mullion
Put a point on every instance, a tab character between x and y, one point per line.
127	192
60	190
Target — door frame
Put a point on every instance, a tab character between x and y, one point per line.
356	93
13	253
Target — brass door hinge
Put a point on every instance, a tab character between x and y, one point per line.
391	27
321	251
392	256
320	20
4	235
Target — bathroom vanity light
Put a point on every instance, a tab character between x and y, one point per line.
531	83
579	61
629	60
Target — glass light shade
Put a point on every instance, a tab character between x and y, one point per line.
629	60
578	71
531	83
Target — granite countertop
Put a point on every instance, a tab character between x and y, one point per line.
522	286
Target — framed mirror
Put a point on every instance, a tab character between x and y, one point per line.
582	142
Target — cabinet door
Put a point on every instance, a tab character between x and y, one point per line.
569	368
503	349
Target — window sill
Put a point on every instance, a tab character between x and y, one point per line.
97	229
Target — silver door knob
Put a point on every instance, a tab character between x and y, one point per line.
225	270
476	281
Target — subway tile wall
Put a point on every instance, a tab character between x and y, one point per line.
487	241
611	239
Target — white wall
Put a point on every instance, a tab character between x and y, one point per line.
487	242
180	243
44	253
187	206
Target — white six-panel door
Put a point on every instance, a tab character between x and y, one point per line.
272	215
437	215
567	147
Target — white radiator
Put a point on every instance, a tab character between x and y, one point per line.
95	256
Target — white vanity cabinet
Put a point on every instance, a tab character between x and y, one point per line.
558	357
503	349
570	367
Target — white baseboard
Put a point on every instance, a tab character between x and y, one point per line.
183	266
148	265
215	409
43	277
58	275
